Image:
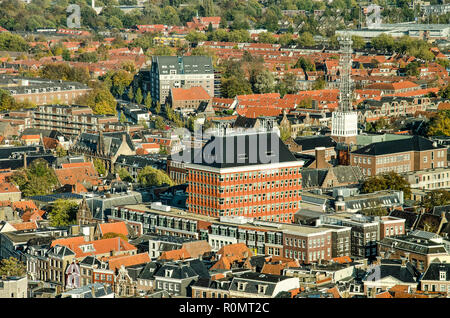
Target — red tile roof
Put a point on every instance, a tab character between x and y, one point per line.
128	260
7	187
193	93
24	226
175	255
113	227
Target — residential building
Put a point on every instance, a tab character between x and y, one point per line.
257	285
168	72
388	274
429	179
208	288
436	278
95	290
420	248
245	179
189	99
42	91
404	155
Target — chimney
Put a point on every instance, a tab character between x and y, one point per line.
320	162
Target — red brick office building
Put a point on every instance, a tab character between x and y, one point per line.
251	175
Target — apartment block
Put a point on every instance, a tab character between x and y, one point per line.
403	155
429	179
235	175
169	72
43	91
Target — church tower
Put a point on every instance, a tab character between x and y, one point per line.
344	121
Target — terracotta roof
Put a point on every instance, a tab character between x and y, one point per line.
193	93
175	255
114	227
342	259
24	226
444	106
7	187
24	205
335	292
197	248
128	260
85	172
76	165
30	137
385	294
237	249
102	246
274	269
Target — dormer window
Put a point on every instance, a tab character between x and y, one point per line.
241	286
442	275
168	272
262	289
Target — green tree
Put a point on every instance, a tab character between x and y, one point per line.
130	93
99	166
12	267
158	108
305	64
285	133
37	179
148	100
439	125
12	42
306	39
319	84
63	212
125	175
358	42
195	37
390	180
266	37
138	95
100	100
436	198
150	176
263	82
233	86
444	92
7	102
60	151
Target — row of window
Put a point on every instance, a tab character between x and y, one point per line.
246	198
245	175
312	243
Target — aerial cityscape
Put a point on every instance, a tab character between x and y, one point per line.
200	149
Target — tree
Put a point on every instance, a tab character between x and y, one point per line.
130	93
158	108
195	37
444	92
305	64
99	166
63	212
358	42
263	82
60	151
306	39
138	96
7	102
150	176
436	198
12	267
124	175
117	81
100	100
266	37
390	180
37	179
12	42
319	84
148	100
113	234
439	125
233	86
